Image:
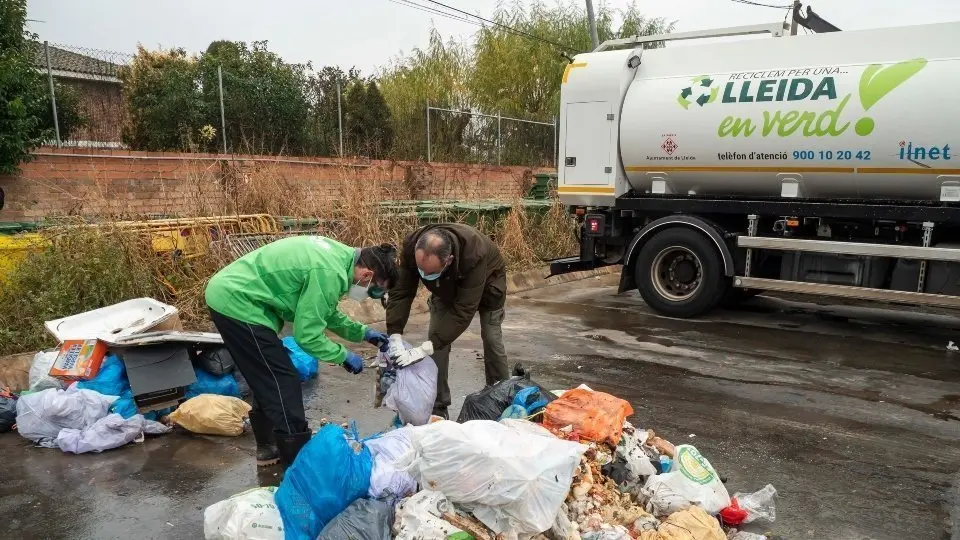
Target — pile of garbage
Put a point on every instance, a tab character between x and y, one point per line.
520	462
129	370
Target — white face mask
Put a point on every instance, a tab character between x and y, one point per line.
359	292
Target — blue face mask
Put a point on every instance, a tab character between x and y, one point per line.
432	277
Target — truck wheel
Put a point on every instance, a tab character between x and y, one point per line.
679	273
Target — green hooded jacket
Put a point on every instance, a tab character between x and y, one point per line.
298	279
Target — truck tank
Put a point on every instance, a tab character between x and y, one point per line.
871	114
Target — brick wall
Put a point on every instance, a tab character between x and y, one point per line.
91	182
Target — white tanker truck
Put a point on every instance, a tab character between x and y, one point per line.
821	164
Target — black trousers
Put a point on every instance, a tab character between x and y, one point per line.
274	382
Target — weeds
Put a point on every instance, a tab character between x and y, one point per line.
83	269
89	267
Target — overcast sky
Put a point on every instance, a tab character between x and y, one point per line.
367	33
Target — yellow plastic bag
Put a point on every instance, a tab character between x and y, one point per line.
690	524
211	414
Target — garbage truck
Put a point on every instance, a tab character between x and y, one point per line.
824	164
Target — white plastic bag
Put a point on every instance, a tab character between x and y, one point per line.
413	394
39	376
734	534
630	450
421	517
691	481
111	431
513	479
617	532
760	505
386	482
41	415
251	515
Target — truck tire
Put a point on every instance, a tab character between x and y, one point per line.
679	273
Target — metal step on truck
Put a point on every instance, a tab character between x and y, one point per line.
825	164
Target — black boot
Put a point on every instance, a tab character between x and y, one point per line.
266	446
290	445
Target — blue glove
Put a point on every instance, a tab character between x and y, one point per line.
375	338
353	363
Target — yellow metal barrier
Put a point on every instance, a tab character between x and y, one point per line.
187	237
14	248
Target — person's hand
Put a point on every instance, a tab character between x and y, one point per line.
353	363
408	358
375	338
414	355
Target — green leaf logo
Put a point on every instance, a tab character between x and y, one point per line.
877	81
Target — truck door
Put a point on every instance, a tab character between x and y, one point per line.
588	152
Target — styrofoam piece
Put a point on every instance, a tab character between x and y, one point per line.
153	338
112	322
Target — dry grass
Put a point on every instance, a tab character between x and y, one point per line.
90	267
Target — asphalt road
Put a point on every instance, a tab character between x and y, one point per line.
852	413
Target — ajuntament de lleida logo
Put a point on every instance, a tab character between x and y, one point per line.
876	82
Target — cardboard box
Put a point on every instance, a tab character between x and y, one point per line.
79	359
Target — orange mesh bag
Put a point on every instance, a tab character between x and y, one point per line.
597	416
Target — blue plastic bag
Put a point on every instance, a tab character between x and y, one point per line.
207	383
515	411
307	366
530	399
112	380
330	472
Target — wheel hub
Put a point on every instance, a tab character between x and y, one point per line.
677	273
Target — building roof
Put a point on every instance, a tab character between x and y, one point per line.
68	64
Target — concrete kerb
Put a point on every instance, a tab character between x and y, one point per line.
371	311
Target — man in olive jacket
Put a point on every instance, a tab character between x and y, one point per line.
465	274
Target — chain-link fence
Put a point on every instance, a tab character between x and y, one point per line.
171	101
489	138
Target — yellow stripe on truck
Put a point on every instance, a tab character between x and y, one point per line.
566	70
586	189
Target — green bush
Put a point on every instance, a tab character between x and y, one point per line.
84	269
21	94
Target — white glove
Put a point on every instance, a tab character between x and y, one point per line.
414	355
395	346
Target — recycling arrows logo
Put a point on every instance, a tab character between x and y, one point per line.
701	91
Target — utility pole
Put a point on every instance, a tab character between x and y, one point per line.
592	19
53	94
793	17
340	118
223	116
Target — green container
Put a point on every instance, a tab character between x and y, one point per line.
542	184
298	224
15	227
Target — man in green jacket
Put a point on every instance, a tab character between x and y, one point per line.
300	280
465	274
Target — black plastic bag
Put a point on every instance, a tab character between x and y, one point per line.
364	519
216	361
489	403
8	413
